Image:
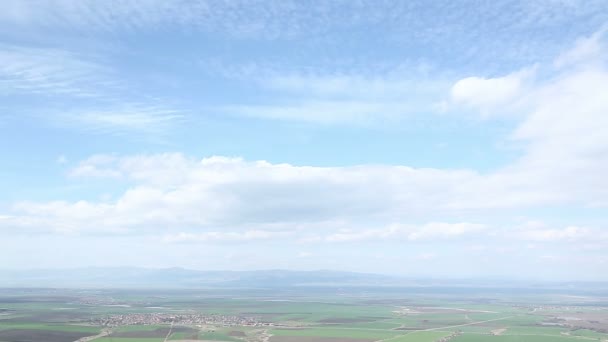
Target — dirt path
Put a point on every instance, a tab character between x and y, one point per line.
169	333
446	327
472	323
103	333
586	338
499	331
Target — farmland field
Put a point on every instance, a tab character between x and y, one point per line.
313	315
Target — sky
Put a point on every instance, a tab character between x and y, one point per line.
447	139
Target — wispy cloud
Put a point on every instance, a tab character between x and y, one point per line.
562	163
350	99
571	233
44	71
126	119
220	236
328	112
396	232
263	19
79	93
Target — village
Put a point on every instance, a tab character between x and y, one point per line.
178	319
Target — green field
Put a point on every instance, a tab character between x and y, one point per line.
67	315
127	339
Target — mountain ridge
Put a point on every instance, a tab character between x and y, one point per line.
184	278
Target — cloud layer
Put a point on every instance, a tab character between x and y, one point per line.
409	142
563	163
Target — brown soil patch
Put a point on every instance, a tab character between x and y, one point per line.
592	321
161	332
236	333
315	339
345	320
31	335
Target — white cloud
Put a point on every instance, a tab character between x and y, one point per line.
489	95
538	231
567	144
172	192
396	232
586	50
96	166
568	233
563	126
216	236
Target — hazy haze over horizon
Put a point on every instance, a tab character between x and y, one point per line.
448	139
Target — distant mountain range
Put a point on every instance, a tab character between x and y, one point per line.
133	277
185	278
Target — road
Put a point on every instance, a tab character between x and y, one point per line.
446	327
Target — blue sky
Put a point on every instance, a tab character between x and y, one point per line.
448	139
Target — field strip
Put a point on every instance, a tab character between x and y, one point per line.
465	324
169	333
103	333
446	327
548	335
457	309
347	328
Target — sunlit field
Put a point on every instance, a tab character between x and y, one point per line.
330	315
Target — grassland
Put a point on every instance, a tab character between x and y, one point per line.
315	316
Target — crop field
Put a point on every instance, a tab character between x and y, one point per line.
297	316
